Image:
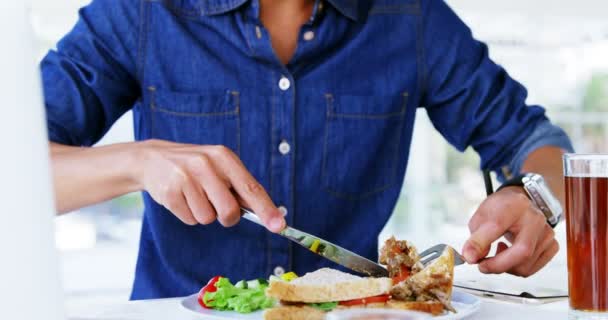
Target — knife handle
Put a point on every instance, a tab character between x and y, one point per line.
247	214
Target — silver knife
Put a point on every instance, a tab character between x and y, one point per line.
326	249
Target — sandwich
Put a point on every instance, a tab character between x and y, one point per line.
311	296
411	286
412	282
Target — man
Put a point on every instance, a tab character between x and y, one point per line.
305	105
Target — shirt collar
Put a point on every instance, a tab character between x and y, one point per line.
349	8
212	7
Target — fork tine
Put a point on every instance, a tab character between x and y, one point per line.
435	248
432	253
430	258
458	258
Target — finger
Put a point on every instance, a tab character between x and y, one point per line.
219	194
547	239
216	188
201	208
500	247
242	201
258	200
522	250
176	203
251	191
544	244
545	257
479	244
173	199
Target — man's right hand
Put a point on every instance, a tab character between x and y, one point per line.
200	184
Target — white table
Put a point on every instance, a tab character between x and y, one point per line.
554	277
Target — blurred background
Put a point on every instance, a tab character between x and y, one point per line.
557	48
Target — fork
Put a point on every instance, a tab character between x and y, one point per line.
429	255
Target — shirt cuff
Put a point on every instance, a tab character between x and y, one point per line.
545	134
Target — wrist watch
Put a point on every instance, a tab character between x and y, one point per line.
540	194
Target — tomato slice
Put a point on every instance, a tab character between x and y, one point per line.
377	299
404	274
399	278
209	287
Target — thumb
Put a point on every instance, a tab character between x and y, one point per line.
473	253
479	244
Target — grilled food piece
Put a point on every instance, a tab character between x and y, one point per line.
433	283
401	259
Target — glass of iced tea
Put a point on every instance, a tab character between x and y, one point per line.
587	223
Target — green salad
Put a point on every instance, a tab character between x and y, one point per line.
325	306
244	297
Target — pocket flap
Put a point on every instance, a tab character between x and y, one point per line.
366	106
191	104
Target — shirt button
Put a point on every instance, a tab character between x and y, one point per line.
309	35
279	271
283	210
284	83
258	32
284	147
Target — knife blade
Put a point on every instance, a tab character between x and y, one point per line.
326	249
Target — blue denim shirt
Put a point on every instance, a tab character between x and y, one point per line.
327	135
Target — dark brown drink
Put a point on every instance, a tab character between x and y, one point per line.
587	224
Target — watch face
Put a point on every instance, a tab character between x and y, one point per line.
548	203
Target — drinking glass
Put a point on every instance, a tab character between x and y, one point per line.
586	181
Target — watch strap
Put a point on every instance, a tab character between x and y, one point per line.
516	181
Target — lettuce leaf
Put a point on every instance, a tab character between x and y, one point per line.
325	306
228	297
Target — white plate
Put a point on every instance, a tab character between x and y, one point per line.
464	303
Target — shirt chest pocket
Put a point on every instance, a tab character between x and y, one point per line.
203	119
362	144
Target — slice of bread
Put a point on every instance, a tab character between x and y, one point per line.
326	285
433	307
294	313
310	313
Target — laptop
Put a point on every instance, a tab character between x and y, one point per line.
29	272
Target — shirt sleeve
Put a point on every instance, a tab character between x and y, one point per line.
89	81
545	134
472	101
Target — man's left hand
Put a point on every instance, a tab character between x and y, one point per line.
510	212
